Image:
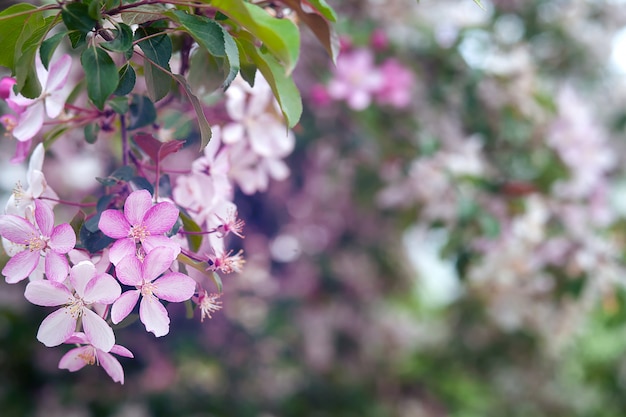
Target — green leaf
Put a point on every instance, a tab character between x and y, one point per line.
248	72
158	82
205	128
122	41
13	21
143	13
100	73
91	132
195	241
127	78
49	46
212	37
325	10
119	105
206	72
76	17
25	72
94	9
283	86
142	112
280	36
157	48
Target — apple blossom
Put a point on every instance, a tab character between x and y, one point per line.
44	242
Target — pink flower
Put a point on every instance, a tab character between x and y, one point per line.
398	82
208	304
43	241
78	357
173	287
141	223
6	87
50	102
355	79
89	288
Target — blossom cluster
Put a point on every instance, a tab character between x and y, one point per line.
150	257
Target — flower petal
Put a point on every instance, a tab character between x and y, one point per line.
57	76
56	328
122	351
44	217
154	316
75	358
16	229
62	239
30	122
175	287
98	331
152	242
160	218
111	366
57	267
102	289
156	262
20	266
114	224
48	293
124	305
129	271
136	206
80	275
121	249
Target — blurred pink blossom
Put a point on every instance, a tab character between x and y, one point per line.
356	79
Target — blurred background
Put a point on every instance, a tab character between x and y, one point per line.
450	242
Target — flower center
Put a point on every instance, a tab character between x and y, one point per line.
37	243
147	289
18	192
89	356
138	233
75	308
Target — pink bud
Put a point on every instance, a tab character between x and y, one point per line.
6	84
379	40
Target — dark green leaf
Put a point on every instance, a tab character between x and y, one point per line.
157	48
76	17
119	105
49	46
205	128
319	24
77	38
91	132
122	39
325	10
212	37
248	72
100	73
143	13
93	241
123	173
127	78
206	72
142	112
94	9
158	82
103	202
142	184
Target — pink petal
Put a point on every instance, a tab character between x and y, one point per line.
57	267
63	238
57	76
114	224
56	328
152	242
77	337
160	218
111	366
154	316
74	359
175	287
36	182
80	275
30	122
102	289
233	133
35	162
124	305
129	271
121	249
98	331
48	293
122	351
20	266
156	262
136	206
44	217
16	229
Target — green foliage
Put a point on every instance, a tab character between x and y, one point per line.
101	74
